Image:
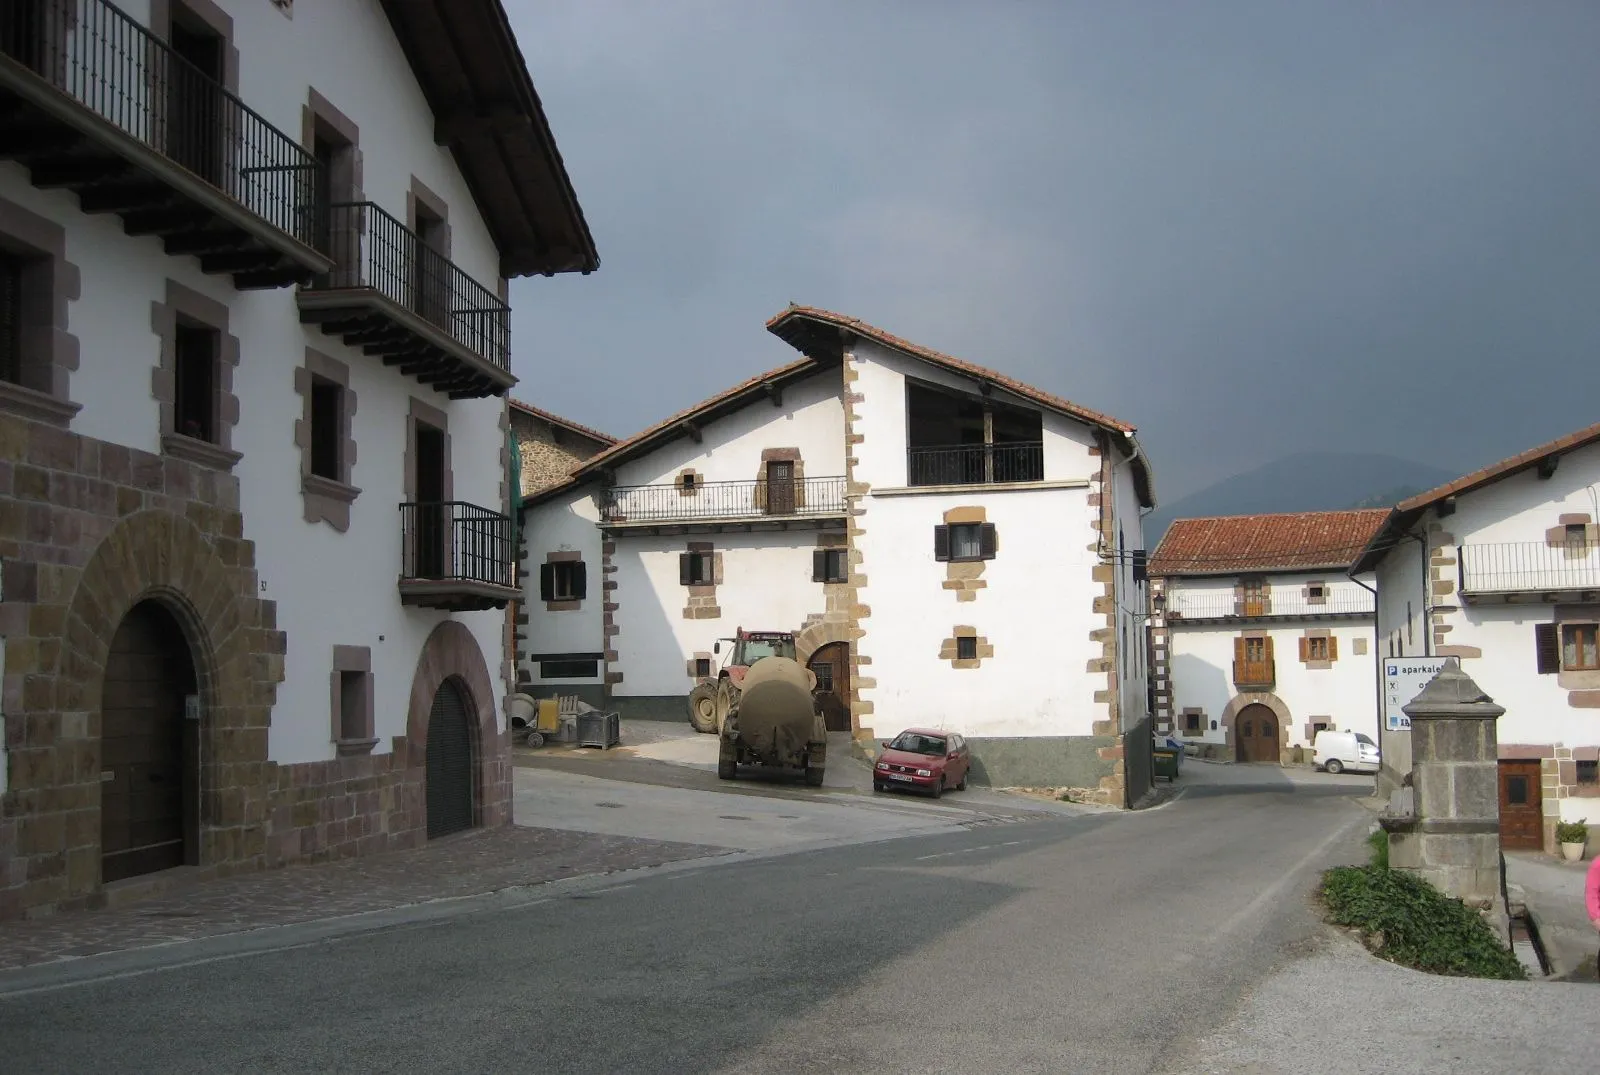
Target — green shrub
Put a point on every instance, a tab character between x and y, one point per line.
1572	832
1407	921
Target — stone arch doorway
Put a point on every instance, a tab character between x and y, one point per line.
451	658
451	761
1256	733
149	747
831	665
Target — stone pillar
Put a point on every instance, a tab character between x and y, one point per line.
1453	838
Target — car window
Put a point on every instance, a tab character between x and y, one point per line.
1361	738
912	743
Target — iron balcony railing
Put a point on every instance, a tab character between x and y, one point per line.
371	249
1212	605
1528	566
723	500
94	53
455	542
975	464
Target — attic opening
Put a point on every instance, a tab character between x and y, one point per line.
953	438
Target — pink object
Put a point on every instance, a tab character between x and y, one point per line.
1591	893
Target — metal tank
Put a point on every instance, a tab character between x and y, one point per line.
775	722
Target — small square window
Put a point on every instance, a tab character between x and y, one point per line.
1577	535
196	349
1588	772
695	568
566	582
689	481
828	565
702	667
1317	593
327	434
1192	722
964	542
1317	649
966	648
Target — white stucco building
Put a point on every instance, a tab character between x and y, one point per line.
256	546
954	549
1258	638
1501	569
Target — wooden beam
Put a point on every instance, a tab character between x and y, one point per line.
1547	466
59	172
774	393
692	430
1447	506
238	261
467	121
204	241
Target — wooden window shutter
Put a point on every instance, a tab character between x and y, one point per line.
580	580
988	541
547	582
1305	649
941	543
819	565
1238	658
686	568
1333	648
1268	641
1547	648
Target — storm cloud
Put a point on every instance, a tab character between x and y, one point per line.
1248	228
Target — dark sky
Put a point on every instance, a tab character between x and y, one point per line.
1249	229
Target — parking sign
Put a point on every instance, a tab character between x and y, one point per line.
1403	680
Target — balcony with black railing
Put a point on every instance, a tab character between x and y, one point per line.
1507	570
391	294
456	556
736	501
94	103
975	464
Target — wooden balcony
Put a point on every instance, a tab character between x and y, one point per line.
456	556
391	295
93	103
1255	675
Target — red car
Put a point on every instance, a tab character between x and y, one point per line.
923	759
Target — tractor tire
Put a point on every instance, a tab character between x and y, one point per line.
727	698
814	776
703	707
727	762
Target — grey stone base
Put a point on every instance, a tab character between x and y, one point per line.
1040	761
667	707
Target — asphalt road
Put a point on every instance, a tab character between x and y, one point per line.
1094	943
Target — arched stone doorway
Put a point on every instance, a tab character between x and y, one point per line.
451	760
149	751
831	665
1256	734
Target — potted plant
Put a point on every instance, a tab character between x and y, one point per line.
1572	836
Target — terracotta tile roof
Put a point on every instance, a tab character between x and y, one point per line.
1230	544
637	443
556	419
797	326
1503	469
1406	512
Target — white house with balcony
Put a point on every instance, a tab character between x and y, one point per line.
255	547
953	549
1258	638
1501	569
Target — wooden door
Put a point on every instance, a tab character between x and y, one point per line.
1255	733
195	104
449	762
149	768
831	663
1521	806
780	488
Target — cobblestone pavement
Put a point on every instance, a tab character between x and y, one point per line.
467	865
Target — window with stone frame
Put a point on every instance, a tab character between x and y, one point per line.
696	569
11	269
964	542
327	428
1194	723
966	648
702	667
1588	771
196	349
1579	649
828	565
1319	648
563	580
352	701
1316	593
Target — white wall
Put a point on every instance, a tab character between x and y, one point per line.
810	419
330	588
766	586
565	523
1132	658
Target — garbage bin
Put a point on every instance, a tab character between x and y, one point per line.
1167	763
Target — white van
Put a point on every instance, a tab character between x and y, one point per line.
1335	752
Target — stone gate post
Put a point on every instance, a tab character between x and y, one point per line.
1453	839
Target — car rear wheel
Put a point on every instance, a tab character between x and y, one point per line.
1334	766
963	785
